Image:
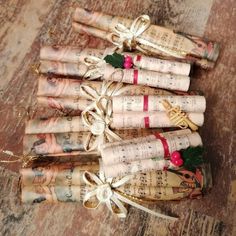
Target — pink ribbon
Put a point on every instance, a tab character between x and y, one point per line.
135	77
138	58
146	122
145	103
164	143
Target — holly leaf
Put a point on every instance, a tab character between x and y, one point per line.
116	60
192	157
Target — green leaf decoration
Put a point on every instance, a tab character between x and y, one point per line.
192	157
116	60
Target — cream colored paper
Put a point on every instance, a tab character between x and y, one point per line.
68	53
164	66
149	120
64	104
147	137
154	193
78	55
55	125
107	72
154	103
70	143
122	169
52	194
63	68
58	87
151	148
146	77
100	24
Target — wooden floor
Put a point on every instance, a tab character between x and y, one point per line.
26	25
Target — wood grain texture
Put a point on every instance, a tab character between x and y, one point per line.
49	22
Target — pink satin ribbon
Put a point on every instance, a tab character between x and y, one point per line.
145	103
138	58
135	81
146	122
164	143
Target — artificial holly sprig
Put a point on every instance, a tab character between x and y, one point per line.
119	61
192	157
189	158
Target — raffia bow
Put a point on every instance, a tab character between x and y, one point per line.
98	124
125	37
105	192
97	116
108	89
95	65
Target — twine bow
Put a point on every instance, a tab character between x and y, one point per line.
97	116
105	192
125	37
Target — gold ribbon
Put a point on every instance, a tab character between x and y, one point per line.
130	37
24	159
97	116
105	192
178	117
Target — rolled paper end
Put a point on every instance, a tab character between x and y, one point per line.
186	68
62	53
43	52
62	68
84	16
195	119
195	140
28	142
80	28
215	52
78	12
26	197
57	53
187	84
203	102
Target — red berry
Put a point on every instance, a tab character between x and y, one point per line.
128	59
127	65
178	162
175	156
